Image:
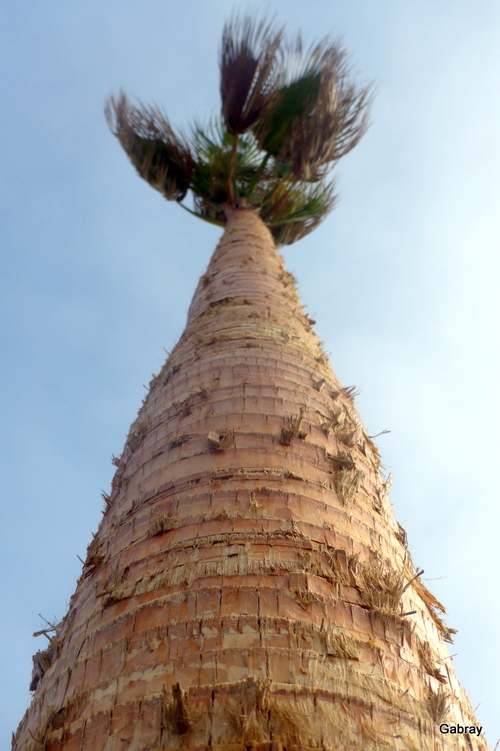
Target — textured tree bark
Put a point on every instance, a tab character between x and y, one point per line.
249	586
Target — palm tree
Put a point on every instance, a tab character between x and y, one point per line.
287	116
249	586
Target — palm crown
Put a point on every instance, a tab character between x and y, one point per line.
287	116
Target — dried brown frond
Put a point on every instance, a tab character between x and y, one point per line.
437	704
291	429
347	482
327	423
348	436
347	478
248	70
160	156
350	392
429	662
381	587
434	606
341	460
344	566
347	429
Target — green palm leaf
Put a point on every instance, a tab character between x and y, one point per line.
213	147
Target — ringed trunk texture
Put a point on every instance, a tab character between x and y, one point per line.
249	586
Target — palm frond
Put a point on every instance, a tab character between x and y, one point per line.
209	177
335	125
160	156
248	69
292	210
291	103
317	113
212	146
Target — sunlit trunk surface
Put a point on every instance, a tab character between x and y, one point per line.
249	586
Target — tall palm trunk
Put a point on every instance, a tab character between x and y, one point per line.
249	583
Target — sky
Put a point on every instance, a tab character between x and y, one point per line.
97	272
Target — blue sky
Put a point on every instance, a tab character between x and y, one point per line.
97	272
